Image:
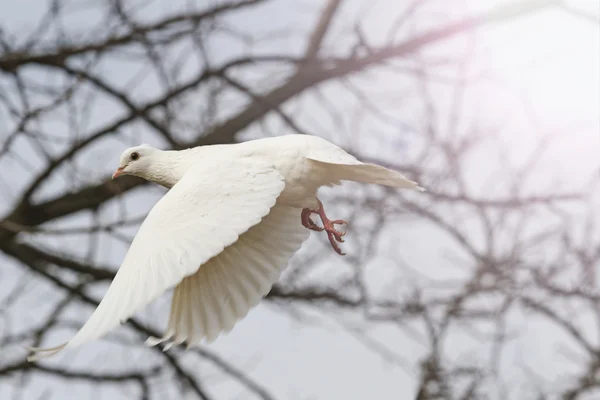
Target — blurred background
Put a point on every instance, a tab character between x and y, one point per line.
483	287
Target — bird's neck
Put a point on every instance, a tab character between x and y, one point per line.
167	168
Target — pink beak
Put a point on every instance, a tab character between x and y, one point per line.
118	172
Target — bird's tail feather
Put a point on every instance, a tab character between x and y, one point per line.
371	173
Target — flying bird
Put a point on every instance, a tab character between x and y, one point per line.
233	217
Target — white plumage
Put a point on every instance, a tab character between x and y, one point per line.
222	235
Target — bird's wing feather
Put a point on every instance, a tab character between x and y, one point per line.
206	211
224	289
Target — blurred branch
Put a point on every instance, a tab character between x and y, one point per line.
576	12
13	59
318	35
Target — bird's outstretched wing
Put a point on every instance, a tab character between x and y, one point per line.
214	203
224	289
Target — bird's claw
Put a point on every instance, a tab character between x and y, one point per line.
334	235
314	227
329	226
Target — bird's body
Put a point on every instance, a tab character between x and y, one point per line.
233	217
290	156
302	177
306	163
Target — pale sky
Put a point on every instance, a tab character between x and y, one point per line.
552	60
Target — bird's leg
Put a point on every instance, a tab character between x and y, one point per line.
307	222
328	225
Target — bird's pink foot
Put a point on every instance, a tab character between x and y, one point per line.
329	226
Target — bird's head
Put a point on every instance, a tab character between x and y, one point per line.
136	161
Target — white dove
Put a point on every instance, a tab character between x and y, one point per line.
233	217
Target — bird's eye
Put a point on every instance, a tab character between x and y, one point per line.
134	156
